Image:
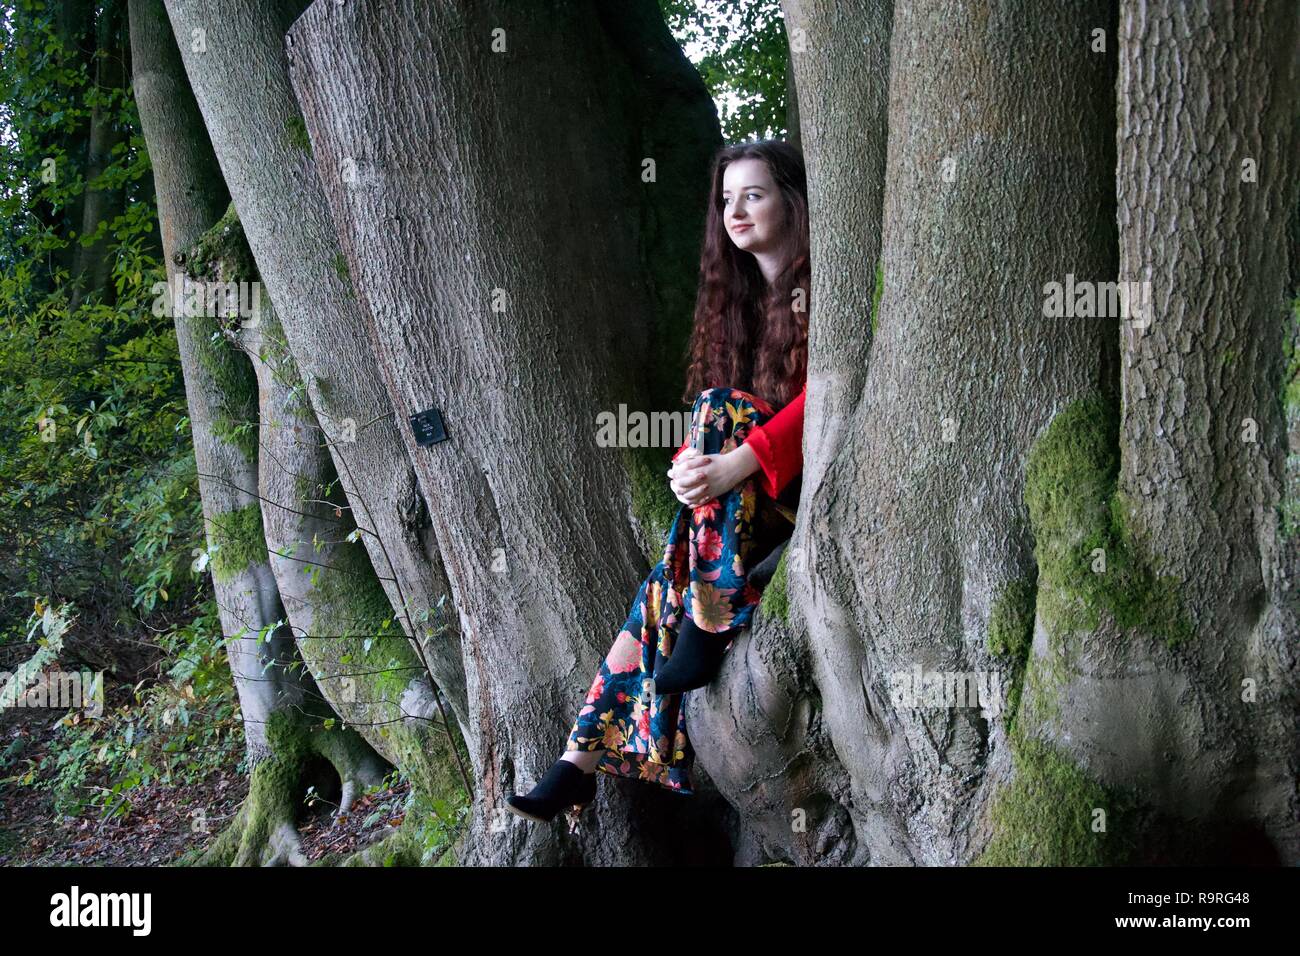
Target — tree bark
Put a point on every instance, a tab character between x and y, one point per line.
279	703
496	292
916	533
234	57
1179	675
334	601
220	389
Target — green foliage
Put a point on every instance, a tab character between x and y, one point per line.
438	821
97	498
99	506
174	731
53	624
741	53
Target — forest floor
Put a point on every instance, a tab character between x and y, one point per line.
157	825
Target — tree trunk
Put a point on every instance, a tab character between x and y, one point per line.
494	210
763	718
493	231
792	133
1173	671
916	537
334	601
93	264
279	703
75	25
234	56
221	391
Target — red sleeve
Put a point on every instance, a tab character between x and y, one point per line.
778	445
683	448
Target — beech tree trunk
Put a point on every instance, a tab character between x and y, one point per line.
93	263
279	702
234	56
1181	687
335	604
494	209
520	309
221	391
914	525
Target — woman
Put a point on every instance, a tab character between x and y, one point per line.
751	330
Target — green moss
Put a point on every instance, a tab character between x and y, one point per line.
356	636
272	795
295	133
1011	634
1047	815
235	415
875	296
340	266
1044	675
222	255
356	633
242	434
776	598
653	501
238	541
1074	509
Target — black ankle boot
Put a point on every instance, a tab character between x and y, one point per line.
695	661
564	785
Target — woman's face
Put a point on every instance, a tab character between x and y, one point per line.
751	206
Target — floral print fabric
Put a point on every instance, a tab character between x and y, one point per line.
707	556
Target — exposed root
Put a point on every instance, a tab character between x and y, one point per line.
264	832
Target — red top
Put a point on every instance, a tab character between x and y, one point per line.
778	445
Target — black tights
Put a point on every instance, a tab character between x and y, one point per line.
695	661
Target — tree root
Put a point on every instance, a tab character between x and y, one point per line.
264	832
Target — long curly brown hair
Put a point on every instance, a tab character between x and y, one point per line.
746	335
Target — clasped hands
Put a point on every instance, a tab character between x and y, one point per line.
696	477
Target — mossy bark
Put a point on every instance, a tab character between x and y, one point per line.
912	524
264	831
277	700
1163	659
1054	814
317	339
540	553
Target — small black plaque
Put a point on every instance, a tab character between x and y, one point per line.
427	427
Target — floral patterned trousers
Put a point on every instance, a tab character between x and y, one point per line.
707	555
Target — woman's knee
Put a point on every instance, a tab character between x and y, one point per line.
715	395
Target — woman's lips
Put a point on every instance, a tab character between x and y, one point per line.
742	227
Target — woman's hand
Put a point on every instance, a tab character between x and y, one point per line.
696	478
